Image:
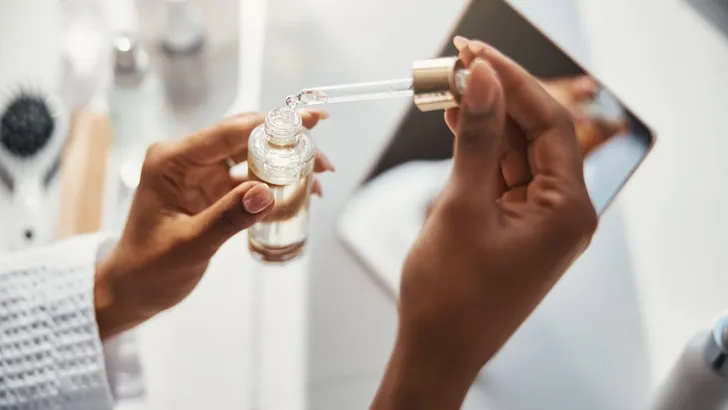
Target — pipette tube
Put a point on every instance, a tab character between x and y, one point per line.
435	84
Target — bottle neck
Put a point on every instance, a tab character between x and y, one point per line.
281	141
282	127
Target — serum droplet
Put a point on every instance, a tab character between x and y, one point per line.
292	101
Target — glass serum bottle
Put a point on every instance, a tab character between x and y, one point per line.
281	154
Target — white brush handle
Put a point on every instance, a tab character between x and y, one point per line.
28	213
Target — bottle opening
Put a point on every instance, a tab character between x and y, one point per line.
282	126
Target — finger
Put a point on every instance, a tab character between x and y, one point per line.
583	88
322	163
451	118
239	178
311	117
216	188
240	115
515	166
192	201
479	137
528	102
515	195
514	162
546	124
467	56
460	42
242	207
202	175
220	141
317	189
240	156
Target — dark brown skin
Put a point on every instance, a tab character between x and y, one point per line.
185	208
514	216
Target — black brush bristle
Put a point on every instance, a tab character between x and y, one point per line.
26	125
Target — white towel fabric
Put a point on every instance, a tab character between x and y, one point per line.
51	355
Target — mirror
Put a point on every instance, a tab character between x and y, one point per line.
613	140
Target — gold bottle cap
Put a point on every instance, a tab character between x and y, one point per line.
435	84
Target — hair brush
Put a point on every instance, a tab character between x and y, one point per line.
33	130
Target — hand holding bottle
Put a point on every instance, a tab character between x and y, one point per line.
186	206
512	218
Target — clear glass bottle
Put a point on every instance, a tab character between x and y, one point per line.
281	153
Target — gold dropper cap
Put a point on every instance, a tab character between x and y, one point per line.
435	84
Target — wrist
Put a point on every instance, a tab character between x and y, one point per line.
113	313
424	374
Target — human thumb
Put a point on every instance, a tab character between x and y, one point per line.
242	207
479	138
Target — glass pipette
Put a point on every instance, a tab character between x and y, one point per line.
353	92
435	84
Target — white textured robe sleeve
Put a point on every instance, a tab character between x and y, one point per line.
51	355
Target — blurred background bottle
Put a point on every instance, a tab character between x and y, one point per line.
699	379
137	108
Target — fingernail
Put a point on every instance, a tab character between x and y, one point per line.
586	82
476	47
323	115
589	85
326	163
257	198
480	94
460	42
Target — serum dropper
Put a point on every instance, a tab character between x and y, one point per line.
281	153
436	84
